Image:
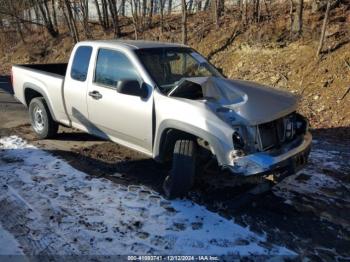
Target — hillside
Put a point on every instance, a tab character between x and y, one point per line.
260	52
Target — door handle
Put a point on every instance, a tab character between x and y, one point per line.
95	95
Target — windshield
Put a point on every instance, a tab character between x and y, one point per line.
167	66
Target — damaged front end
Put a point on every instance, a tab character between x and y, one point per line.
267	133
282	145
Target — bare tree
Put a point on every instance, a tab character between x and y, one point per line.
100	16
13	9
199	5
122	8
170	6
291	17
245	12
184	21
324	26
144	8
114	15
150	10
256	11
54	13
71	21
300	10
206	4
46	17
298	18
189	6
162	3
215	12
105	13
136	18
84	5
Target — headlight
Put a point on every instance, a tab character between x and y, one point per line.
302	124
289	128
237	138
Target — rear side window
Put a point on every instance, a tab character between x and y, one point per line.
113	66
81	63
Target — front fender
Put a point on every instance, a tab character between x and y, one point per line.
219	147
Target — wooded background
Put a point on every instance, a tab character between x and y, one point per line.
21	16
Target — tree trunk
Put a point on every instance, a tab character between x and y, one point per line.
324	27
114	15
221	7
256	10
298	18
291	17
215	12
17	22
99	14
122	8
184	21
189	6
206	5
199	5
134	18
245	12
267	10
72	21
54	15
62	8
162	3
300	10
151	10
47	19
144	8
105	13
84	5
170	6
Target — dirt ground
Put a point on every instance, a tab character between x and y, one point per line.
307	212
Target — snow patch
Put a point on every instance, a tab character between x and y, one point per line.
8	244
64	211
316	179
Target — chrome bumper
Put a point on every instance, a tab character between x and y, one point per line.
291	157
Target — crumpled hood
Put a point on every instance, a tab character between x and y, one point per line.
253	102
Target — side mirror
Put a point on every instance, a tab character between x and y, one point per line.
132	88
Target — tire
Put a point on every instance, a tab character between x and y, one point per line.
41	120
181	177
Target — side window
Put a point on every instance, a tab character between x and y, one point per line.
81	63
112	66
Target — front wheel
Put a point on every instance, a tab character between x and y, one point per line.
181	177
41	120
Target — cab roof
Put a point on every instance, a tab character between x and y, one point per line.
135	44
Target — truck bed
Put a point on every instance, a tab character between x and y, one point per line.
58	69
46	79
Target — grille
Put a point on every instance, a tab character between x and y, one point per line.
268	136
273	134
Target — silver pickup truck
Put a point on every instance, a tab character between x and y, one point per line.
167	101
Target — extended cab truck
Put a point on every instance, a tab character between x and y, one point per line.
167	101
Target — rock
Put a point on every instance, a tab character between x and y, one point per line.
316	97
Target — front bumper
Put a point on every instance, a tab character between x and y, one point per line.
290	158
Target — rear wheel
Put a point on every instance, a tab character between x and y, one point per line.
181	177
41	120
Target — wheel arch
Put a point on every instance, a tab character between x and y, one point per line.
169	131
167	142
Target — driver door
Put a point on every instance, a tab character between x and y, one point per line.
125	119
